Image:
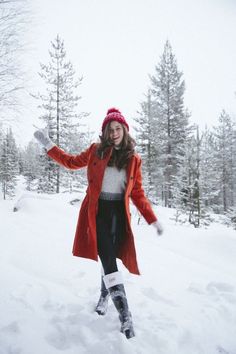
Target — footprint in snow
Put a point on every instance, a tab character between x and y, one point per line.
59	308
74	329
216	289
220	287
222	290
152	294
51	306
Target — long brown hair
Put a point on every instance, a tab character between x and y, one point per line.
121	157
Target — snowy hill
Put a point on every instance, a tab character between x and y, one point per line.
184	302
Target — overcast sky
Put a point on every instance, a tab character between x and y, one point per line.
115	44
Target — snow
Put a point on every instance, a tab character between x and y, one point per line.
184	301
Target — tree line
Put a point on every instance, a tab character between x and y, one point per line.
58	107
184	168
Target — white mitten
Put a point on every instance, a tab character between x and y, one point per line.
158	227
43	138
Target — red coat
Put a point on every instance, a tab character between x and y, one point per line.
85	242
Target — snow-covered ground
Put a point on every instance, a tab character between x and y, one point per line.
184	302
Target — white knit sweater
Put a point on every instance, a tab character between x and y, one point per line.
114	181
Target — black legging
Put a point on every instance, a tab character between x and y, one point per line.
110	232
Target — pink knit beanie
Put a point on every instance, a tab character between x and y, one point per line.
114	114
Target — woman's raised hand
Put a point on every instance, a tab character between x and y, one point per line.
43	138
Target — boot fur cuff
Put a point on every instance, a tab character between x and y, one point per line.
113	279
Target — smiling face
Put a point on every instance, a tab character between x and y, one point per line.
116	132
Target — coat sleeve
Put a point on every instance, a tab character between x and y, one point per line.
72	162
139	198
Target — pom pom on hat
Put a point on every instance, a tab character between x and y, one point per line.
112	110
114	114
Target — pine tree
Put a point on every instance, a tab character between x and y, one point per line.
145	139
186	191
77	180
59	106
225	155
209	172
31	168
9	165
47	179
195	202
171	120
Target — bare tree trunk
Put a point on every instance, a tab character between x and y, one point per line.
4	190
231	173
149	146
58	128
169	158
169	169
224	191
198	176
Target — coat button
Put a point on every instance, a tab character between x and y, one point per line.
90	181
95	163
131	177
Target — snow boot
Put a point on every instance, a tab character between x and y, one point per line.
102	304
120	301
118	296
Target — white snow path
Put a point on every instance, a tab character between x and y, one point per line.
184	302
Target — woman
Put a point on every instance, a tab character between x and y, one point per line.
103	228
